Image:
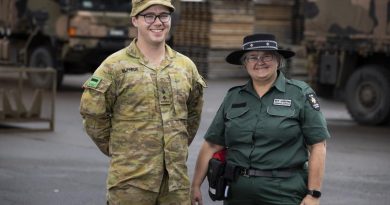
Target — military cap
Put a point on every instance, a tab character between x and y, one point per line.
139	5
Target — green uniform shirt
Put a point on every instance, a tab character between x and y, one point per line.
269	132
144	117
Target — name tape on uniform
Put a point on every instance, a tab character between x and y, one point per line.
282	102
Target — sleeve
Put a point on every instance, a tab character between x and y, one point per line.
313	122
96	108
194	106
216	131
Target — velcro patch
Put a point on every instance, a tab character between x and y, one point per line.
237	105
313	100
94	81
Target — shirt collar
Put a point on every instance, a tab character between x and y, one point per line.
280	84
133	51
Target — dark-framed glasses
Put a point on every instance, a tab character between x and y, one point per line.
255	59
151	18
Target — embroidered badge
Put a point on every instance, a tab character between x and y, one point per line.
282	102
313	100
94	82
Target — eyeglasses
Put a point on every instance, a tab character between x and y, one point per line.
255	59
151	18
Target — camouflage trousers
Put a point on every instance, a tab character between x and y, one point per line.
131	195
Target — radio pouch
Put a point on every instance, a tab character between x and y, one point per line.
217	182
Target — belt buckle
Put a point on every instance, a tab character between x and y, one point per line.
244	172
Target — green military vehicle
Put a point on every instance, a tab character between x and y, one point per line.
72	36
348	47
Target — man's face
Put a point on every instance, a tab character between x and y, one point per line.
153	24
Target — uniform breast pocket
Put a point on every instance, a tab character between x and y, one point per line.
281	111
136	98
283	118
238	121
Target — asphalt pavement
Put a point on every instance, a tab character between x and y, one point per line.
65	167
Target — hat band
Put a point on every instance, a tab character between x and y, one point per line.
260	44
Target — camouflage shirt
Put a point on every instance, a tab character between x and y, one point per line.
143	117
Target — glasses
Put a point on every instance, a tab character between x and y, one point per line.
255	59
151	18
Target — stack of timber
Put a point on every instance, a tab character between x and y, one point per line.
275	16
282	18
231	20
209	30
191	36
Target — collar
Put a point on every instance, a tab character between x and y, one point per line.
280	84
133	51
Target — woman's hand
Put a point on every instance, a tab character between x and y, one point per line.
196	196
309	200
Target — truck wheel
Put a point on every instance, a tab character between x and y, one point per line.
41	57
368	95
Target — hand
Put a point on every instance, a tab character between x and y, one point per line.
309	200
196	196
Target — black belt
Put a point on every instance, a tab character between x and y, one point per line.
283	173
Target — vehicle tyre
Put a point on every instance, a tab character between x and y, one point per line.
368	95
41	57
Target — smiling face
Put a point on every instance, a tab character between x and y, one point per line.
152	33
261	66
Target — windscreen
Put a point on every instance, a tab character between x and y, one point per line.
104	5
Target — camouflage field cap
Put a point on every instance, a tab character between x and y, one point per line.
140	5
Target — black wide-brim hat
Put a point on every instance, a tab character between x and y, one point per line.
257	42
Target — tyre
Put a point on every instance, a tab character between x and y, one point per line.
41	57
368	95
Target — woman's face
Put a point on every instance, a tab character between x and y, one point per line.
261	66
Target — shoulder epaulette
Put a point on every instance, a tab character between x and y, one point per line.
301	84
232	88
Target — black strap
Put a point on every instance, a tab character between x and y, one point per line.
283	173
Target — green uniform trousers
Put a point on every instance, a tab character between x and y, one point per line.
131	195
268	190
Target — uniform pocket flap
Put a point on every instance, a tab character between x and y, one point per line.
281	111
236	112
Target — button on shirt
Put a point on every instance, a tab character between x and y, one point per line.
268	132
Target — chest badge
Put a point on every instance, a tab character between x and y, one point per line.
282	102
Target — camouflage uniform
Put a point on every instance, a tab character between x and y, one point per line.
144	117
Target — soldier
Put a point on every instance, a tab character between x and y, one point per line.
142	108
269	126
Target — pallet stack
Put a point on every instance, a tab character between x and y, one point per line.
191	34
231	20
209	30
275	16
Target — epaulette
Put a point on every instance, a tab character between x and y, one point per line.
238	86
301	84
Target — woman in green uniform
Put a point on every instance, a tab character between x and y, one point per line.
273	130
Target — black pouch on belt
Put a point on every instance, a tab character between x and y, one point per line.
215	177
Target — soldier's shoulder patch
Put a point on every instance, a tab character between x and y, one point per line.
313	100
93	82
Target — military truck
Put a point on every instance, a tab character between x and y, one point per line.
348	48
72	36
